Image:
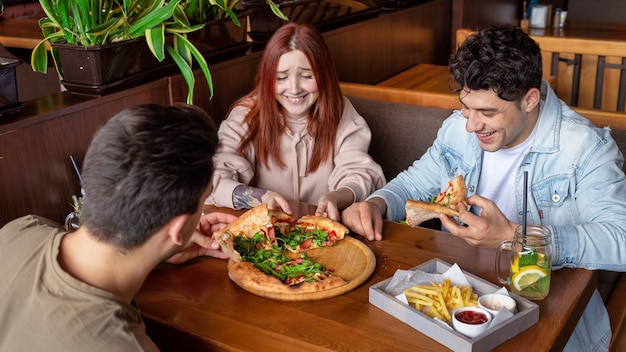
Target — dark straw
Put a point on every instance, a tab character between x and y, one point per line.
80	178
525	205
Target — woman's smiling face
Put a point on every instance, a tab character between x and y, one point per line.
295	87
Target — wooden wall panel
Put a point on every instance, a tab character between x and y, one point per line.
366	52
374	50
37	177
36	174
231	80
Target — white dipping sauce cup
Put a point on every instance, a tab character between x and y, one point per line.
493	302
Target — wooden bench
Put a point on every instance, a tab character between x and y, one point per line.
612	285
590	73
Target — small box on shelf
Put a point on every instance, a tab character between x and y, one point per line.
9	103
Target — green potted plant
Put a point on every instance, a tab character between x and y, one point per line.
226	28
201	11
100	23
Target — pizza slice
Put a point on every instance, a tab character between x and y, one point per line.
259	222
311	232
273	261
267	249
446	202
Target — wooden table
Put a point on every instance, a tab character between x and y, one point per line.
20	33
431	78
195	307
427	77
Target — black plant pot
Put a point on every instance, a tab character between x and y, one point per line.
9	104
325	15
263	23
222	38
108	67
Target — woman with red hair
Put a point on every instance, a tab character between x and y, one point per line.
294	137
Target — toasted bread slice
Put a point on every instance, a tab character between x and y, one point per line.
447	202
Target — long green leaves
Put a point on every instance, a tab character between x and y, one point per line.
154	18
277	11
155	38
96	22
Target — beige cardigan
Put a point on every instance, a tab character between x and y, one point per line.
350	167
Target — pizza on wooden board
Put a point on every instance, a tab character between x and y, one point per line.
446	202
268	249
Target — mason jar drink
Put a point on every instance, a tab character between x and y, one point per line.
531	262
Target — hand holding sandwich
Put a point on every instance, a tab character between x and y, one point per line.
486	230
447	202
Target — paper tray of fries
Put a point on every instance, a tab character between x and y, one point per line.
527	313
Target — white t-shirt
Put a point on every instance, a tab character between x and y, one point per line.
497	177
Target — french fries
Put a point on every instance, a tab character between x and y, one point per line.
439	299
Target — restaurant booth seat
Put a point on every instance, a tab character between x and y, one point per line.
404	123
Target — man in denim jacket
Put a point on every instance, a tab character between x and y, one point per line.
512	122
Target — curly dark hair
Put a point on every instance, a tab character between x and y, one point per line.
145	166
501	58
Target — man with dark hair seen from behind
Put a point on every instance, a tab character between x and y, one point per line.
146	175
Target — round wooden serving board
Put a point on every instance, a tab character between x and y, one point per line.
351	260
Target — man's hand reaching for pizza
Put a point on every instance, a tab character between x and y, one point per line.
201	243
366	218
486	230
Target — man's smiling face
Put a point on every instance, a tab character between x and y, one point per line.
497	123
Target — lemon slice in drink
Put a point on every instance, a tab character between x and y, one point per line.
515	265
527	276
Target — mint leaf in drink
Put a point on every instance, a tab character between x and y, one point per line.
529	257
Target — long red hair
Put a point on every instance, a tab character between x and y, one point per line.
266	119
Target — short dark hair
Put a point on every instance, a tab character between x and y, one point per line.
501	58
145	166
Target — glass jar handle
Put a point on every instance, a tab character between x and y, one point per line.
69	222
502	246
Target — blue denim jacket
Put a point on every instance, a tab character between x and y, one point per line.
577	188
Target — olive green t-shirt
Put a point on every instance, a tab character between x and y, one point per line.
43	308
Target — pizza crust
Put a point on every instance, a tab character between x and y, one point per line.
252	279
323	223
248	224
419	211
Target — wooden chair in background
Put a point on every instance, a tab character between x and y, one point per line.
590	73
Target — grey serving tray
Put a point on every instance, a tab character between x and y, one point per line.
527	314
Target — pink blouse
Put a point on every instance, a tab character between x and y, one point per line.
350	167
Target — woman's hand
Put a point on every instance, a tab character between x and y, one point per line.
275	201
249	197
201	242
330	204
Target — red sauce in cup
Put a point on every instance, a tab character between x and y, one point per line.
471	317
